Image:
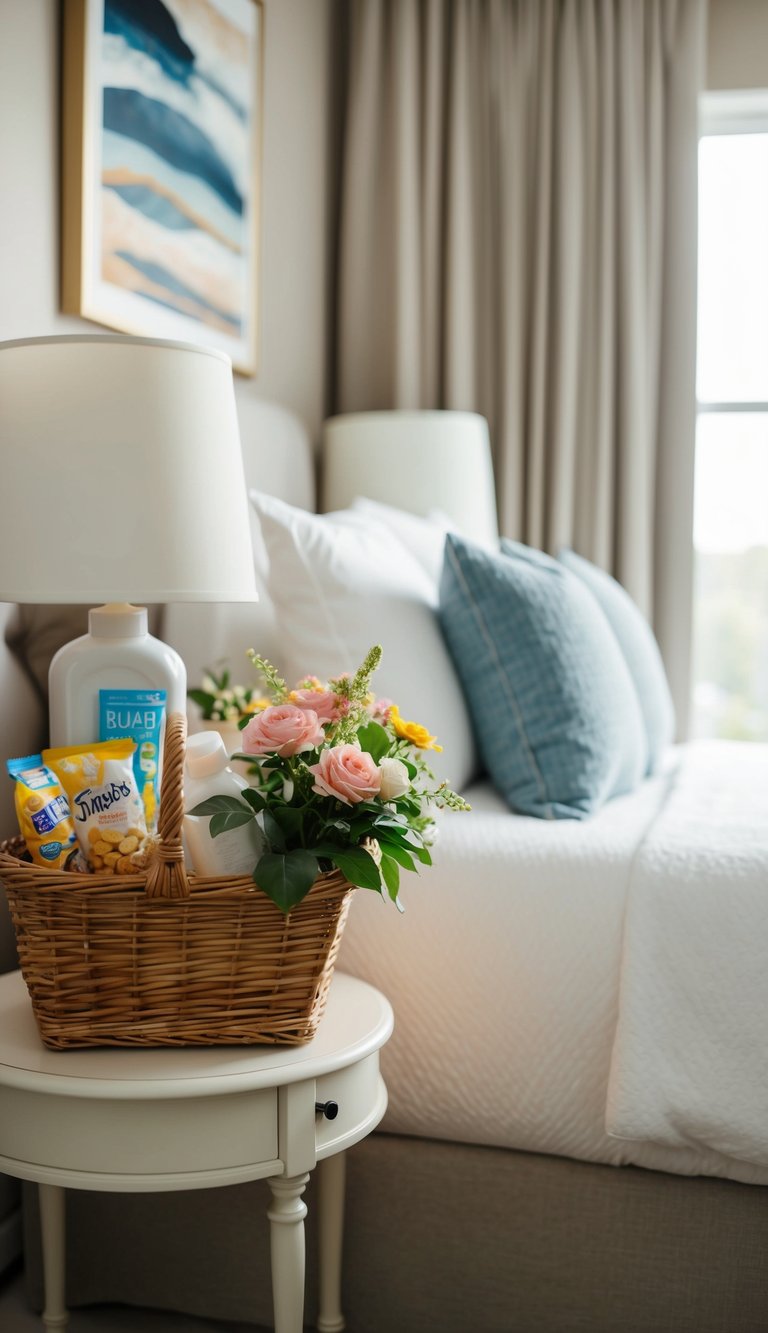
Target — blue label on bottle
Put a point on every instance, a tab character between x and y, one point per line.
140	715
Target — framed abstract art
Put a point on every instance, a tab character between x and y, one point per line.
162	112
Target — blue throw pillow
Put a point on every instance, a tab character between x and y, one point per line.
555	710
640	650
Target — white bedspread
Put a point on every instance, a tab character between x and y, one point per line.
690	1059
504	974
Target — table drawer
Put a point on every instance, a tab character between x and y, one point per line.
139	1138
361	1099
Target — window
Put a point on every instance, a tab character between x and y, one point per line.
730	649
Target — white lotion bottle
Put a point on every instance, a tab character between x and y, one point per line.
207	773
117	653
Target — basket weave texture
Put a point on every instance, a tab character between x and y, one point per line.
164	958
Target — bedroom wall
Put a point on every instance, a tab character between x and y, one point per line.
294	231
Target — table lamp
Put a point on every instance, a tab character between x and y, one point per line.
122	483
446	456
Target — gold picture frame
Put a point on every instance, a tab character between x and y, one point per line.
161	167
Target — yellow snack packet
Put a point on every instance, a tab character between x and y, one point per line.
43	814
107	811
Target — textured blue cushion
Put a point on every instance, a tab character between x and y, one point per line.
555	710
640	650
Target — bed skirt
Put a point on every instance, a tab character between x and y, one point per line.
445	1237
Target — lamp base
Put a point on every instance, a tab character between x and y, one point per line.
117	653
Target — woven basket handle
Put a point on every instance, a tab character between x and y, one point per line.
166	876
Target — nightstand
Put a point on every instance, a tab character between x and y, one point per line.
150	1120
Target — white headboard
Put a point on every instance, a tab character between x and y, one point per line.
278	459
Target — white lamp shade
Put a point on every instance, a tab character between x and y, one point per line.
122	473
419	461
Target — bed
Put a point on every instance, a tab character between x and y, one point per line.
570	998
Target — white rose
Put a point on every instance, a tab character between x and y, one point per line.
394	779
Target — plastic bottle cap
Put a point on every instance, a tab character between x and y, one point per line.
206	754
118	620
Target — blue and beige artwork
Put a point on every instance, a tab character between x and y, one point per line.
176	162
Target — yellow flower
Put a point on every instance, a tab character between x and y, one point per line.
256	705
412	731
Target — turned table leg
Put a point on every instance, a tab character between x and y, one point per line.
331	1172
286	1216
55	1315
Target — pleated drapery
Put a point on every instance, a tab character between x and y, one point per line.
518	237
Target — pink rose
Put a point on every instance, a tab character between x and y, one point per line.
380	710
347	773
282	729
328	706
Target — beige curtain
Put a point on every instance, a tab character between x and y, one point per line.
518	237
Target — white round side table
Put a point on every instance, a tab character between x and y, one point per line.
147	1120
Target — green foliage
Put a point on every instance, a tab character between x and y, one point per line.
274	682
221	701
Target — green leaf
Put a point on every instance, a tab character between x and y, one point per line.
422	855
201	698
222	823
289	818
357	865
397	853
273	832
287	877
397	822
340	825
374	740
391	875
216	805
254	798
406	806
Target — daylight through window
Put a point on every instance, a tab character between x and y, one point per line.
730	670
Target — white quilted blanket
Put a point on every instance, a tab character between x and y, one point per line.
505	973
690	1059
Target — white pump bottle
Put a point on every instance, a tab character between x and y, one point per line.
117	653
207	773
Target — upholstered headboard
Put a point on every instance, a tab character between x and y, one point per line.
278	459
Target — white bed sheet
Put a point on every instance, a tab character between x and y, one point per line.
504	977
690	1065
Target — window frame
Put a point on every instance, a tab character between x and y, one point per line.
729	113
742	111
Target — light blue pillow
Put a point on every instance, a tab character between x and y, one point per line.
555	711
640	650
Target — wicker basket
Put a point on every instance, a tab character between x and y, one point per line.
163	959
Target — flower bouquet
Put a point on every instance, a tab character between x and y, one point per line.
221	701
339	779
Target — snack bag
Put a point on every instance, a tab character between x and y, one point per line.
139	714
43	813
107	811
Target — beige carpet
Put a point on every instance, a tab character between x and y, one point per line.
16	1317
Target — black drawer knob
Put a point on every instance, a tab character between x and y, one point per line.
329	1109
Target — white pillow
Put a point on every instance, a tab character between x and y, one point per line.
424	538
342	583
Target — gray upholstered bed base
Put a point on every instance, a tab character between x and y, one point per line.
449	1239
